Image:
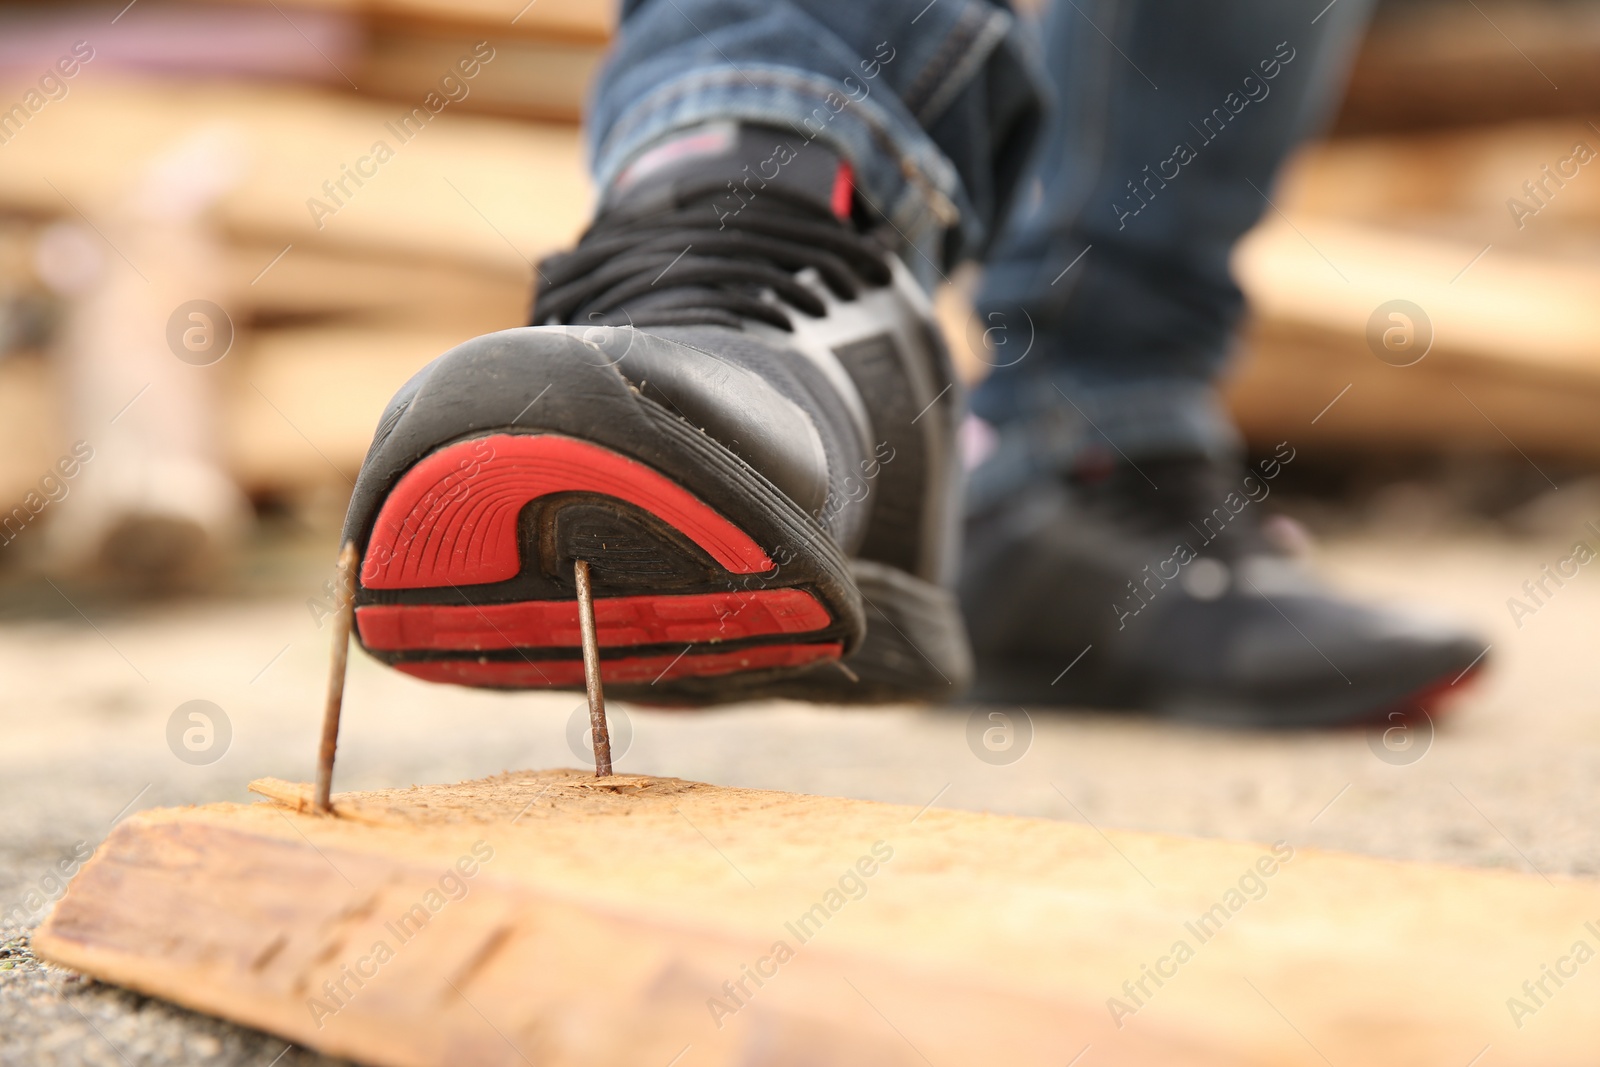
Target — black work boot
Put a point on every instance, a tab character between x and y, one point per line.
733	406
1149	585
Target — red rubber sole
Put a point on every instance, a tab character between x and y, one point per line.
452	521
619	621
452	518
567	674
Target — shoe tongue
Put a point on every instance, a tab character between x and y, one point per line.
744	160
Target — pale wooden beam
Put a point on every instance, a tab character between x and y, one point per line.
553	918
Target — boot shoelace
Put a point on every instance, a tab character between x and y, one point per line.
682	266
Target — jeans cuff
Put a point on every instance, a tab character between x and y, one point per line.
898	169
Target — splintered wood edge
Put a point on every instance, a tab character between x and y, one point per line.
299	797
293	795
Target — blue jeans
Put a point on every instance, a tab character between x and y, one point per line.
1103	179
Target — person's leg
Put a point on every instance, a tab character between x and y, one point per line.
1172	122
936	106
732	409
1116	552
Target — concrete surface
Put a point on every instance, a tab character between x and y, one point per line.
1507	781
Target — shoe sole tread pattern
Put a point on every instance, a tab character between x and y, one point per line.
467	550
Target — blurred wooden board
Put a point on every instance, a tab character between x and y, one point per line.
1514	362
436	248
1541	316
31	435
1305	385
528	77
561	919
1458	182
303	402
1438	63
467	190
579	20
308	284
1515	311
1420	65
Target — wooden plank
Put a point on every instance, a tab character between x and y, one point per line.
545	53
1306	385
1514	364
592	20
554	918
306	284
303	403
32	436
1459	182
1515	361
1430	64
1514	304
539	79
438	243
578	20
467	190
1540	316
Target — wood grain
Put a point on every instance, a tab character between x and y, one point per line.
602	919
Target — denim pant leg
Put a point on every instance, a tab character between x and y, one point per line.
936	106
1171	121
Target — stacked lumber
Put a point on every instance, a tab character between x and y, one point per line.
556	918
545	53
1514	363
435	248
579	20
1509	281
1512	296
1462	183
519	189
1422	65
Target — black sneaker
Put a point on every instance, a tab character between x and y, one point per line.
1152	587
733	405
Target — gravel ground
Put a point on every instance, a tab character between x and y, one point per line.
1507	781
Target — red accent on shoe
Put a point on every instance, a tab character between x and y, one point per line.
1435	699
620	621
844	190
452	518
1441	696
568	673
